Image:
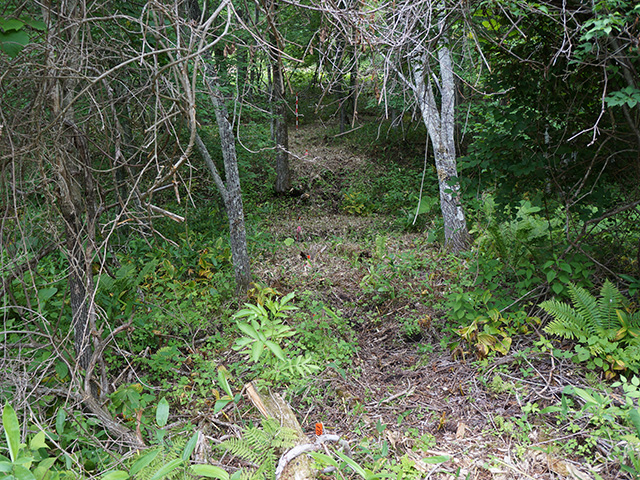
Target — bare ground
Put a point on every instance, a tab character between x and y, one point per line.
398	390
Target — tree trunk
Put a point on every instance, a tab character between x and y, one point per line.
80	242
75	186
353	87
342	91
440	125
280	128
278	105
233	194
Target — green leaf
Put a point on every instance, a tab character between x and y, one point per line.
38	441
11	24
22	473
167	469
190	446
586	396
61	369
143	461
356	468
162	412
115	475
210	471
256	351
13	42
437	459
287	298
634	415
61	417
45	294
565	267
44	466
222	380
220	404
248	329
35	24
11	430
289	241
275	349
323	458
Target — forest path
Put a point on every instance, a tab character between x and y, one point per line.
405	394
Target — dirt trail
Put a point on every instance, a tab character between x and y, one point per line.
429	403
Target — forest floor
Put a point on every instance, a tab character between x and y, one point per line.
412	395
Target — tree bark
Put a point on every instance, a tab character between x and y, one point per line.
75	185
279	107
230	191
233	193
440	125
280	128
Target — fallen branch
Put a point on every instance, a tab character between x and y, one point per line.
309	447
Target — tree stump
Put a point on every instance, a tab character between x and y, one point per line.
272	405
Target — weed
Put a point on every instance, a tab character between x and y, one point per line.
265	332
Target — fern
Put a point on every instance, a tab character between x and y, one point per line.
261	446
610	302
586	311
604	326
566	324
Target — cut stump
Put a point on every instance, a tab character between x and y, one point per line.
272	405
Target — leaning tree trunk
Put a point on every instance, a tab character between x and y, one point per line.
440	125
230	191
232	195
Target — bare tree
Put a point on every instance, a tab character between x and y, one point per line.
97	116
230	191
278	105
412	39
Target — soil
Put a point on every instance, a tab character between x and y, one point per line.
411	392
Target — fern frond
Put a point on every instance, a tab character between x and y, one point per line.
267	467
167	453
567	323
610	300
633	319
258	439
259	446
270	426
241	448
586	306
286	438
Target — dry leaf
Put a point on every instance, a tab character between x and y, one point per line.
417	462
577	474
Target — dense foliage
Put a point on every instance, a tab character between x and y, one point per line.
123	324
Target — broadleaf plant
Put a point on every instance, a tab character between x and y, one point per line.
265	331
